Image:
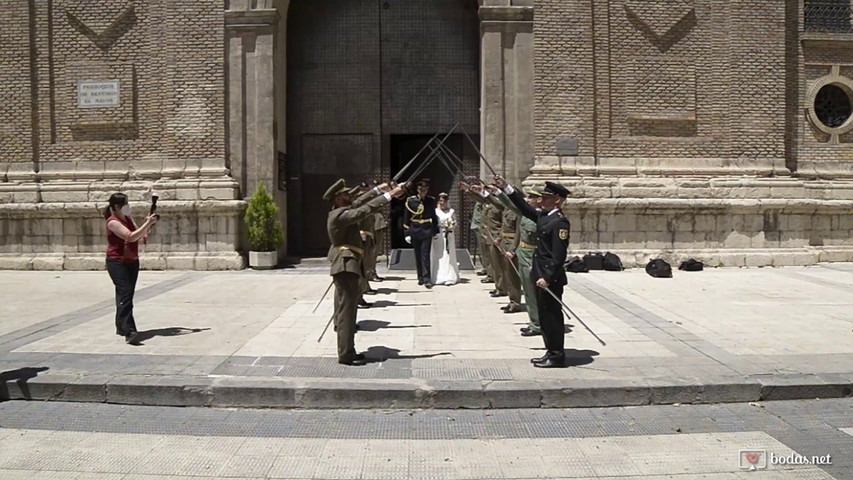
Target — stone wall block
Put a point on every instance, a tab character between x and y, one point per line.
737	240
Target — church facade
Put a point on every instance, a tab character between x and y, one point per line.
720	131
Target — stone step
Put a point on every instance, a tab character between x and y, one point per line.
313	393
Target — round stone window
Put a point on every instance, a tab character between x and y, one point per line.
829	106
832	106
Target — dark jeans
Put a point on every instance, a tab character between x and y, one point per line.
551	320
423	248
124	276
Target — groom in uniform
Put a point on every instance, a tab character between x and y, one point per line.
420	225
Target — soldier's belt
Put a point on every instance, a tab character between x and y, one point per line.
357	250
527	246
507	235
366	233
416	220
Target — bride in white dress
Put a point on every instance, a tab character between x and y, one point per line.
445	270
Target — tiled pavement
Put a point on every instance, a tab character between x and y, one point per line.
740	327
93	441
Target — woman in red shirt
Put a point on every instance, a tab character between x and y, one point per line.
123	259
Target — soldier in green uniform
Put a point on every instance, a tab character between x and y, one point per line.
380	225
524	246
477	227
512	282
491	232
346	258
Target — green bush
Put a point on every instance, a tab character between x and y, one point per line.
264	226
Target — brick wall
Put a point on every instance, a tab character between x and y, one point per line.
697	80
170	66
15	109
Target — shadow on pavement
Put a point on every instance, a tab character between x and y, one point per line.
374	325
165	332
386	303
377	354
576	358
19	376
385	291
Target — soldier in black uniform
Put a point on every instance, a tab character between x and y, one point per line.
547	271
420	225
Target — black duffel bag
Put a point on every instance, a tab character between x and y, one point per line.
692	265
659	268
576	265
612	262
594	261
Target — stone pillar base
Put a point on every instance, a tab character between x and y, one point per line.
60	225
728	221
711	257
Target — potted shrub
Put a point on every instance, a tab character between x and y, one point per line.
264	230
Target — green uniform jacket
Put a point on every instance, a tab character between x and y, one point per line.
526	228
477	214
492	217
344	233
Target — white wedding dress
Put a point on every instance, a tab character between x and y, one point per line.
444	269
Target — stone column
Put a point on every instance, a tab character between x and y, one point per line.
250	34
506	117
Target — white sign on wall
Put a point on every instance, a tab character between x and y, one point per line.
101	94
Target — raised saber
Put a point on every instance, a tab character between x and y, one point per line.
429	160
478	150
565	307
405	167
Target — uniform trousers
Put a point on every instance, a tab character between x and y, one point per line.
370	252
498	267
525	264
485	256
347	293
422	251
551	320
369	268
512	282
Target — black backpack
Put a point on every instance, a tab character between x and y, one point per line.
576	265
612	262
659	269
594	261
692	265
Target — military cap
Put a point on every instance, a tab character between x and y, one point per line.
552	188
424	182
534	192
355	190
338	187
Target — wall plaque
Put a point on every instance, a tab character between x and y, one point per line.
102	94
567	147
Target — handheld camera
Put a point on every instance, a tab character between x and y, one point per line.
154	198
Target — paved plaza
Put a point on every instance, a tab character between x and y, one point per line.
59	440
250	339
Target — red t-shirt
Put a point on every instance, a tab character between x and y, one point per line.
118	249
